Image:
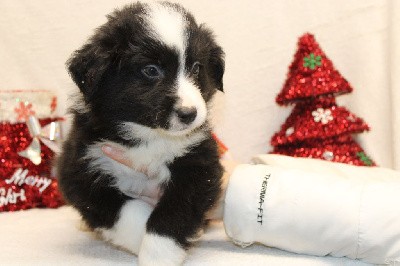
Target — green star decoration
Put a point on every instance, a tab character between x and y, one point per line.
363	157
311	61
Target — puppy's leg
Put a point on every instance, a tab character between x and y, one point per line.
175	223
160	250
130	228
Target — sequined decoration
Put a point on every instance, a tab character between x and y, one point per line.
307	128
24	185
322	115
312	61
328	155
24	110
53	105
331	150
317	126
289	131
309	77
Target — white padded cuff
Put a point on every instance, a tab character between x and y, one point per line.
315	213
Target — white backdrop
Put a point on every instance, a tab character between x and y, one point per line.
259	37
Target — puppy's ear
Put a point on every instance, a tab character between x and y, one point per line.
217	66
87	66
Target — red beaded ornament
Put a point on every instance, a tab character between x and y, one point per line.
317	126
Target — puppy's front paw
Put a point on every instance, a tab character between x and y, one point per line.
158	250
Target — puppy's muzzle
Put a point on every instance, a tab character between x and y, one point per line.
186	115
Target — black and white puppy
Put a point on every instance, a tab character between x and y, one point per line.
145	77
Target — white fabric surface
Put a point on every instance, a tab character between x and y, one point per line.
52	237
319	208
361	37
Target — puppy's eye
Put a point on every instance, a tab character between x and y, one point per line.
195	69
152	72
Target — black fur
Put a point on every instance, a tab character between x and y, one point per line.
107	70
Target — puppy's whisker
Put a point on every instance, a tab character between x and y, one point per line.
171	94
157	114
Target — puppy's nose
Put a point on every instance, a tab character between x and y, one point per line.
186	114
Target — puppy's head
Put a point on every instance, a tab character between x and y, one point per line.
151	65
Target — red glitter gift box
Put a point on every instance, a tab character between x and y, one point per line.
26	179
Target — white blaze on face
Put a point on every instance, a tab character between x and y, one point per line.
189	96
168	25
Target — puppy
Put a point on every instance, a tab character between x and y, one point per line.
145	77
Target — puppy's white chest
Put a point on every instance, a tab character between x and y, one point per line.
149	161
153	157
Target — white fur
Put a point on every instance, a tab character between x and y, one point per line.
160	250
130	228
152	156
189	96
168	26
79	103
128	180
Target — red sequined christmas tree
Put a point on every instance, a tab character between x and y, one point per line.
317	126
